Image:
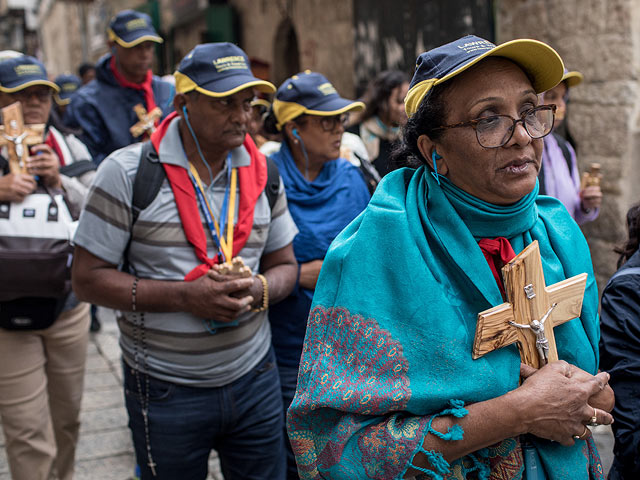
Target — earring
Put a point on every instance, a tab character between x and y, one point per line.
434	157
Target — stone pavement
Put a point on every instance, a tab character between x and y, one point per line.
105	451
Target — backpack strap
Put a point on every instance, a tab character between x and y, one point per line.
272	187
76	169
146	186
148	180
562	143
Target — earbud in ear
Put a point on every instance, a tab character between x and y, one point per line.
184	110
294	132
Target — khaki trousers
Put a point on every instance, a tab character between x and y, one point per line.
41	384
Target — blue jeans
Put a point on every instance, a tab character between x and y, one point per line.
242	421
288	382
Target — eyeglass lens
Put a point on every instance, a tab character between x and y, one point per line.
330	123
497	130
26	94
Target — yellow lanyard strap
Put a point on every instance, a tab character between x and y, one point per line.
225	244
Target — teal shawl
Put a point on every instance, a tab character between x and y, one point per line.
390	334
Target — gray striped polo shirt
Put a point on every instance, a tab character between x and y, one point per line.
180	348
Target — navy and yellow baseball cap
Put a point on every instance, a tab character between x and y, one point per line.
68	85
21	72
309	93
130	28
541	62
217	70
572	78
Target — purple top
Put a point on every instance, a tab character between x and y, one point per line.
562	184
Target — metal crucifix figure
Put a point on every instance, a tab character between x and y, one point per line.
537	327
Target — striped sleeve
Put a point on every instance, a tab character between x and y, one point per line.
282	228
105	222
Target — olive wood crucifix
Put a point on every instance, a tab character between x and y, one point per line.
531	312
146	123
18	137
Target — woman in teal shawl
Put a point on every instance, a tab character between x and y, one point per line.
387	385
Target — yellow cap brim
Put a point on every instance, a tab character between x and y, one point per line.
61	101
572	78
184	84
30	84
541	62
287	111
260	102
145	38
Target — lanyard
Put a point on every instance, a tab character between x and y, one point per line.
224	245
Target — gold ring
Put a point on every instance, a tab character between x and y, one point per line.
583	435
593	421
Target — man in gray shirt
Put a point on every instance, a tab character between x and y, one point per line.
199	371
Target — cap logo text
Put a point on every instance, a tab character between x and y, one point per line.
28	70
135	24
472	47
327	89
230	63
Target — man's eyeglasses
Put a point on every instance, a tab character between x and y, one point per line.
496	130
41	94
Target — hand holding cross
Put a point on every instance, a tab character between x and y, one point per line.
18	137
532	312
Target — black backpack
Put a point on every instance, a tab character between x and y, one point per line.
150	176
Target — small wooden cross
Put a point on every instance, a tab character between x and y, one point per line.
591	178
146	123
236	267
530	304
18	137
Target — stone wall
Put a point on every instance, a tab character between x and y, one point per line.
60	37
599	38
324	31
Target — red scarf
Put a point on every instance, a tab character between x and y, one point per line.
251	180
498	252
53	143
145	86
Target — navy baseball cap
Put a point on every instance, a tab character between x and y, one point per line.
541	62
217	70
68	85
21	72
309	93
130	28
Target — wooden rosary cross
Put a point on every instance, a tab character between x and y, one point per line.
146	123
18	137
532	311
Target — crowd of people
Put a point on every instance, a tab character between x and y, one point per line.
297	276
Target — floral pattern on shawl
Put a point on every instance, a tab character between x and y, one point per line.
366	376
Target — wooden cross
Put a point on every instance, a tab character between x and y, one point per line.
18	137
530	304
146	123
236	267
591	178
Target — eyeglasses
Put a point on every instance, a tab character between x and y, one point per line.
496	130
41	94
329	124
